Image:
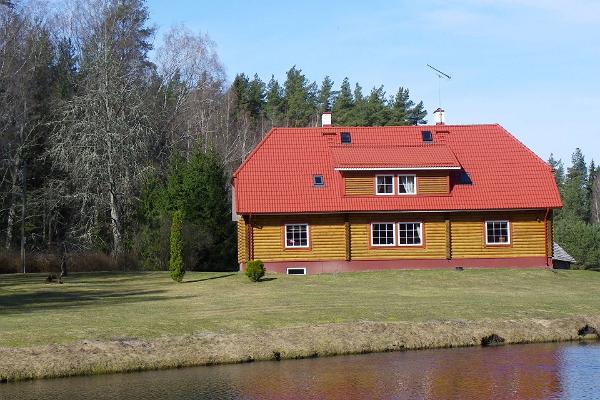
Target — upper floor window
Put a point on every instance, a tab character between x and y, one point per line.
407	184
383	234
384	184
410	233
497	232
296	235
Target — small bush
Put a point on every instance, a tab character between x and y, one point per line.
255	270
176	259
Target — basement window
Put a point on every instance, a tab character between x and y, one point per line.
296	271
345	138
497	232
318	181
296	236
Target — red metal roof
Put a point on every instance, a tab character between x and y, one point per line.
394	157
277	176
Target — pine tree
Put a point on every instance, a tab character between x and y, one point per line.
297	99
400	108
343	104
595	200
176	266
377	112
358	115
575	199
274	108
256	97
326	95
417	114
591	180
559	171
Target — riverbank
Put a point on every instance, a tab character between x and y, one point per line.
128	355
105	323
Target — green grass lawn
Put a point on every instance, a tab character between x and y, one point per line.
144	305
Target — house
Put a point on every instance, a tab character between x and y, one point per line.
560	258
329	198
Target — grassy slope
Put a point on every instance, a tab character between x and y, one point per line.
145	305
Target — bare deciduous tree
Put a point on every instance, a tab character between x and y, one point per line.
104	136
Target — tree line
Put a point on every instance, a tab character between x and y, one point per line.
101	143
577	225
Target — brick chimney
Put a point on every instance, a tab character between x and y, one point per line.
326	119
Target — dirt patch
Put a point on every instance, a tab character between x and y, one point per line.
205	348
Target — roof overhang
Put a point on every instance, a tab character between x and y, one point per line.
396	168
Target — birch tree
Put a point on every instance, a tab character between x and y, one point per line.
103	138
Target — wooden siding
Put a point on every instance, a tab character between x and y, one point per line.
326	238
428	183
241	240
359	184
446	236
527	235
434	245
433	182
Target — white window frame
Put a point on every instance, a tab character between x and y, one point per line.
407	194
287	270
297	247
420	233
488	243
393	185
393	233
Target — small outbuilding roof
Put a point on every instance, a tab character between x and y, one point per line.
560	254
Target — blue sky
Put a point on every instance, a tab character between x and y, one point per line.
531	65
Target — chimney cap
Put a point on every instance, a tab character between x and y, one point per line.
438	116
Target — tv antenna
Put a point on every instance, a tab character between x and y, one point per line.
441	75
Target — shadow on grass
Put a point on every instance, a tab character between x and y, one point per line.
267	279
208	279
47	300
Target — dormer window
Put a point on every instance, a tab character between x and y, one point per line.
345	138
318	181
384	184
407	184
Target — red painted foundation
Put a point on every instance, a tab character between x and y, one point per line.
319	267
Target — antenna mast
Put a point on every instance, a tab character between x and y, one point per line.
441	75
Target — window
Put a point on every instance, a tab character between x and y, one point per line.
296	235
383	234
345	138
384	184
318	180
407	184
296	271
410	233
497	232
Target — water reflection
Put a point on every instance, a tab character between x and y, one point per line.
538	371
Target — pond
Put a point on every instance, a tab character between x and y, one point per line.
533	371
